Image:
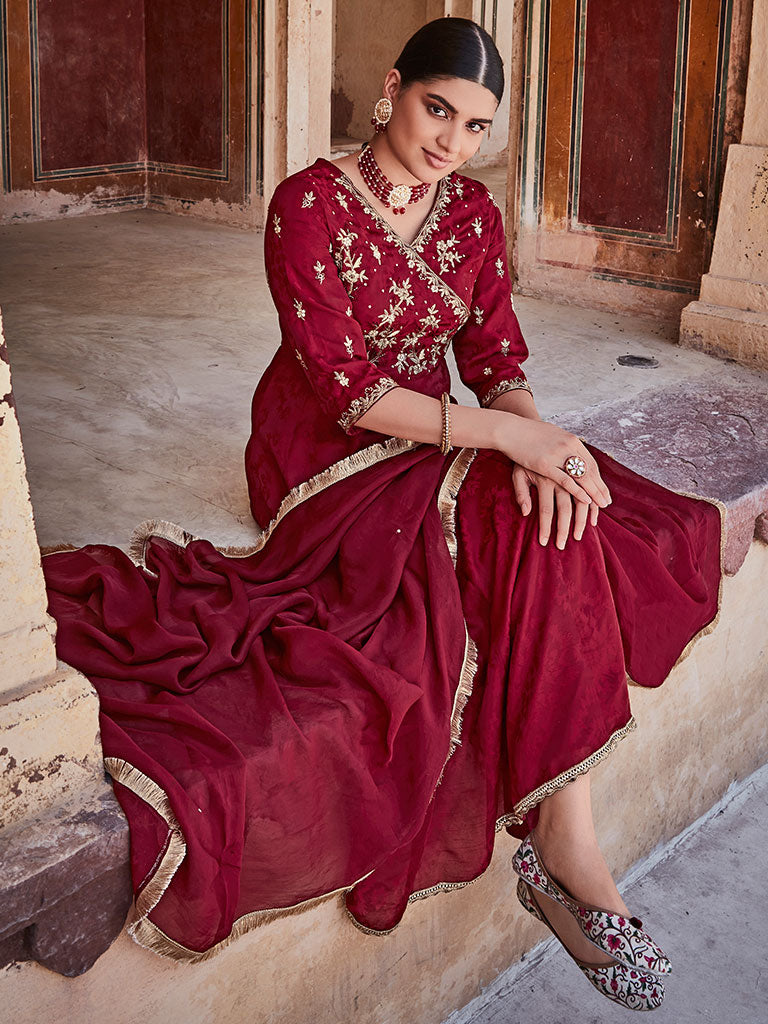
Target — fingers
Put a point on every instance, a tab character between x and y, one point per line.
545	490
581	514
522	488
564	514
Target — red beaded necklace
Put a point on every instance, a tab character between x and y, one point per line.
396	196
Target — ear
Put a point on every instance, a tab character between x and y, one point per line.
391	87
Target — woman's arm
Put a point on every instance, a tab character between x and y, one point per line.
532	442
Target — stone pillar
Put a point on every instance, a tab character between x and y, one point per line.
730	318
309	81
63	841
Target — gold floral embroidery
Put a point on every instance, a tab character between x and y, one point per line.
349	345
363	402
504	347
300	311
300	357
477	224
276	224
500	267
350	271
502	386
487	371
376	252
320	271
412	252
340	199
309	198
447	256
342	378
479	314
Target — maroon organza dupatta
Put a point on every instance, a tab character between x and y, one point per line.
276	723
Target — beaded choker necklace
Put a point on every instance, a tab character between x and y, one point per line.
396	196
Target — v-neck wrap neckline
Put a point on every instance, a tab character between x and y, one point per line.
426	229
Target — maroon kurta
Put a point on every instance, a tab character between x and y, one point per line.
398	669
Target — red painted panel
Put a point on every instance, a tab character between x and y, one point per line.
91	73
627	113
184	82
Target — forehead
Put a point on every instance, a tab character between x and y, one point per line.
467	97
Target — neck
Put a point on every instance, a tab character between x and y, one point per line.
390	165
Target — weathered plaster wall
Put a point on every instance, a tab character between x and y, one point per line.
156	109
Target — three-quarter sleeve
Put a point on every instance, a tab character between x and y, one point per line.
313	305
489	348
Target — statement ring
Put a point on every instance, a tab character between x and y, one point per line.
575	465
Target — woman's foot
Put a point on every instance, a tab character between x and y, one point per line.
580	869
578	866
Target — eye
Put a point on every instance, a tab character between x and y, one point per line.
478	127
431	107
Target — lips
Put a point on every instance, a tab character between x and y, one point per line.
434	160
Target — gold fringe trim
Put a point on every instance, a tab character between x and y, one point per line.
522	807
176	849
336	472
448	493
142	930
516	817
54	549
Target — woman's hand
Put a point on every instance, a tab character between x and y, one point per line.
552	496
542	448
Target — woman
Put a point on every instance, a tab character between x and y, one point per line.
405	664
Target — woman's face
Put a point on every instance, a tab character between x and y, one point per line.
436	126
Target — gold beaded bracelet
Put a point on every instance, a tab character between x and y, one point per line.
445	436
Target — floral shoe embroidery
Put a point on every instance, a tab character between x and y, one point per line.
633	988
621	937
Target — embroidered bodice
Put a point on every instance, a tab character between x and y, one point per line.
363	311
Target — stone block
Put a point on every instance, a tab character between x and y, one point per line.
49	744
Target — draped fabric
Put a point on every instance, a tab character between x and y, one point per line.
398	669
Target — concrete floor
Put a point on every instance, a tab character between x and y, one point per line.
136	340
702	897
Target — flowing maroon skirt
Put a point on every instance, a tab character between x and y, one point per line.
395	673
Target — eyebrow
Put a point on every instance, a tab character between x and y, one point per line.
453	110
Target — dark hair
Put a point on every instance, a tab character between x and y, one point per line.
452	48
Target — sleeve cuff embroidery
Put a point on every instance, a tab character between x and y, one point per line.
361	404
501	386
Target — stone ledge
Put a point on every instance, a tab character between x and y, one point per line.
698	437
726	333
66	886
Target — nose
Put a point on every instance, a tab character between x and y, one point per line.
449	138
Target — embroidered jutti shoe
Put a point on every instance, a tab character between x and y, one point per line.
619	936
630	986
